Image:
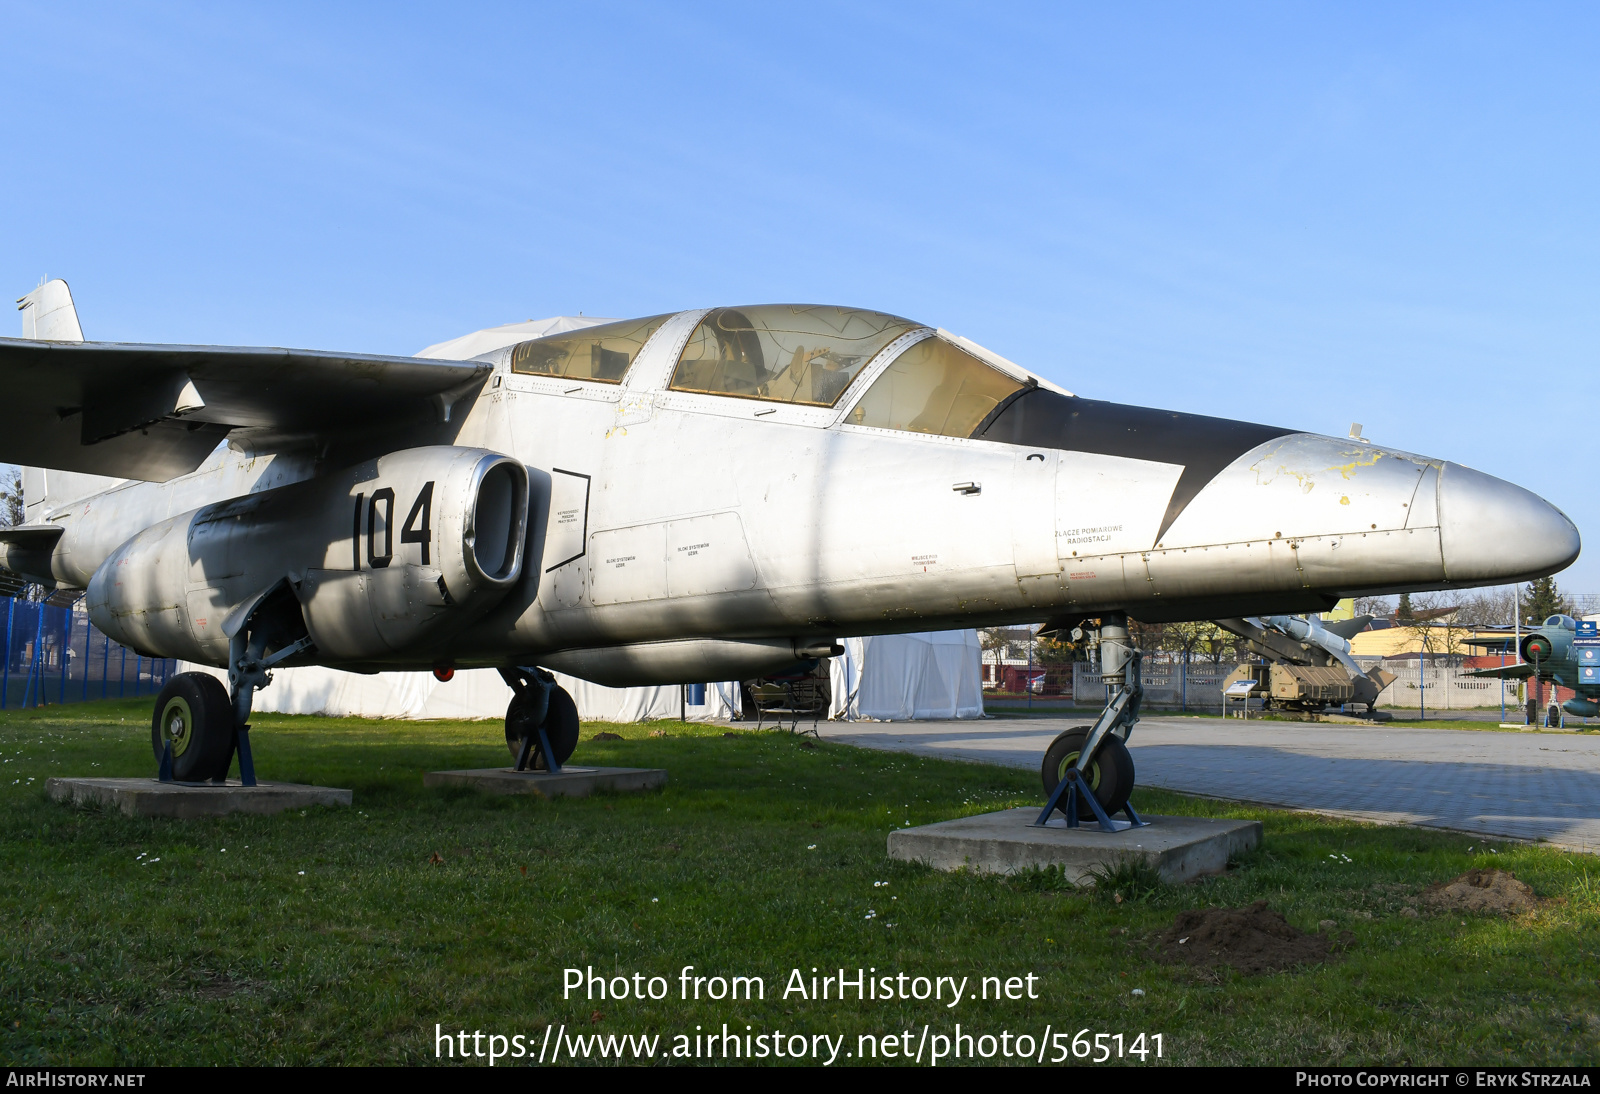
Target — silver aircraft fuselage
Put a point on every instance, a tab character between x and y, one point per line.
670	516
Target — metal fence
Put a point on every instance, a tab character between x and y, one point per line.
55	655
1169	682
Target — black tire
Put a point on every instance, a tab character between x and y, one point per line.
1110	775
194	712
560	725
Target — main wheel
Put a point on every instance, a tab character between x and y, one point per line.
560	726
194	714
1110	775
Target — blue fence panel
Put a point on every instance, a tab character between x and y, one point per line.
55	655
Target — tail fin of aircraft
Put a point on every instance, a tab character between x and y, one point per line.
46	490
48	314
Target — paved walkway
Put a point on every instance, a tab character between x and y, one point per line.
1523	785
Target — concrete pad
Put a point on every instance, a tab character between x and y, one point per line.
571	782
1180	848
151	798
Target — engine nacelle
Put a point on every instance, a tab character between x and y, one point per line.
385	558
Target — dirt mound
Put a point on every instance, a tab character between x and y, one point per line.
606	737
1253	940
1482	891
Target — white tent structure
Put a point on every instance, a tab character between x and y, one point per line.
477	693
900	677
895	677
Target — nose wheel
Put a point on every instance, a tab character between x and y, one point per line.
1108	776
1087	771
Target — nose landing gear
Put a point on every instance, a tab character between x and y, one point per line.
1089	768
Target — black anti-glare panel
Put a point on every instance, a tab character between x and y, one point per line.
1203	446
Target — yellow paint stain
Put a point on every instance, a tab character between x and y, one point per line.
1282	471
1347	469
1344	499
1304	478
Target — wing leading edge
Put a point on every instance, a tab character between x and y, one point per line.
1508	672
154	412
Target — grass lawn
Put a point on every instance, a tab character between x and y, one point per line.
343	935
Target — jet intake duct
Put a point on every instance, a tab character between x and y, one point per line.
390	556
1537	647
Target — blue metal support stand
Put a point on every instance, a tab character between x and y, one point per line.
164	774
1072	788
247	763
1121	712
524	681
525	759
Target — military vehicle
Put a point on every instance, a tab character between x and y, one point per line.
1305	663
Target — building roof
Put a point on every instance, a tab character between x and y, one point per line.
1399	640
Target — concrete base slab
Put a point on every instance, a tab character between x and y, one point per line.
151	798
1180	848
570	782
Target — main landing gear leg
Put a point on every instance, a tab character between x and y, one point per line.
249	667
541	722
1090	765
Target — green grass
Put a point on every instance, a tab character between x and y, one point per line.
344	935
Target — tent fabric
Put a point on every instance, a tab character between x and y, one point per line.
474	693
902	677
896	677
480	342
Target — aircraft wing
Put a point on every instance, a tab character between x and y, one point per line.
1505	672
35	537
1497	643
154	412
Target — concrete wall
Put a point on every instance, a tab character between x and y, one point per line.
1442	688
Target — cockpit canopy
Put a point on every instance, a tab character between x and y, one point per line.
803	355
934	387
1565	622
784	353
603	353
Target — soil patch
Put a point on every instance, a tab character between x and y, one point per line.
1253	940
1482	891
606	737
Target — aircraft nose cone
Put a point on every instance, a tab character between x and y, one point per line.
1492	531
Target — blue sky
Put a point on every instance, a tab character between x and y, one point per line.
1300	214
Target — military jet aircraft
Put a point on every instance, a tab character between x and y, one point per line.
710	494
1552	653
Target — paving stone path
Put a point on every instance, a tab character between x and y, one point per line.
1522	785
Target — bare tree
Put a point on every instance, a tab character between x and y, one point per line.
10	495
1378	606
1493	607
1203	638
